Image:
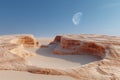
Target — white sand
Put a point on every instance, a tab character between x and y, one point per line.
46	58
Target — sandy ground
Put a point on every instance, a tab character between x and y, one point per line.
46	58
15	75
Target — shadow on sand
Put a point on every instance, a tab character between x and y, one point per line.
82	59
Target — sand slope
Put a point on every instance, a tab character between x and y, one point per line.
46	58
15	75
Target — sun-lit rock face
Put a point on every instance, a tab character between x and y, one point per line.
26	41
106	47
92	44
73	44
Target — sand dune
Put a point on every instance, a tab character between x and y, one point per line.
45	58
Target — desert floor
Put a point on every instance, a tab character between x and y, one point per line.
46	58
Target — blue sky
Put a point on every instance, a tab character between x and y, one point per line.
51	17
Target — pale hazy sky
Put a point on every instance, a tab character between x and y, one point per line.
51	17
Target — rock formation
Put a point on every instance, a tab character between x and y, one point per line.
13	55
26	41
106	47
13	52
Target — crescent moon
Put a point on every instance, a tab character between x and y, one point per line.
76	18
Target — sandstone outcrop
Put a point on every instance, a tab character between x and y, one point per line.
16	44
106	47
13	52
13	55
25	40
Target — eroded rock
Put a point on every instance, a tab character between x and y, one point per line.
26	41
106	47
13	54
